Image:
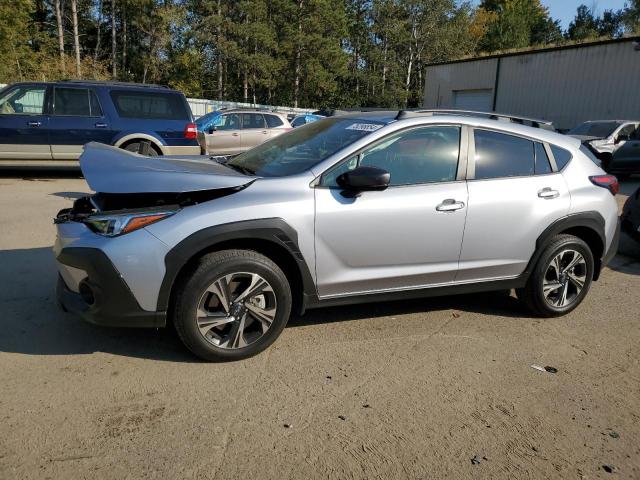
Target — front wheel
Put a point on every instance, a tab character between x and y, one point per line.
233	305
561	278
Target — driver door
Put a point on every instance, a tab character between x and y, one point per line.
225	139
406	236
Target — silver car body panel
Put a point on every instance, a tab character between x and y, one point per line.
379	241
113	170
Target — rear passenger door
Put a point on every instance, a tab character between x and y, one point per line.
514	194
76	119
254	130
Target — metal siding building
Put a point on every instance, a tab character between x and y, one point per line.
567	85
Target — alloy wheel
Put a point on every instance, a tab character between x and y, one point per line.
564	278
236	310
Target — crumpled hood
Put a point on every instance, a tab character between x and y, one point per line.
110	169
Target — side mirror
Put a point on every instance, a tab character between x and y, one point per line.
212	128
363	179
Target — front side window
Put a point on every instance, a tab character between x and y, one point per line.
501	155
626	131
298	121
417	156
80	102
252	120
230	121
23	101
150	105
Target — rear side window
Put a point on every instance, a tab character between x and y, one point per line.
542	160
273	121
77	102
501	155
252	120
150	105
561	155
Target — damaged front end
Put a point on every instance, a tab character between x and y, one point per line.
135	191
113	214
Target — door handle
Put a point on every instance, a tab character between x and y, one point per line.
265	131
548	193
101	125
235	134
449	205
34	124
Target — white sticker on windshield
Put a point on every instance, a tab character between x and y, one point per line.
365	127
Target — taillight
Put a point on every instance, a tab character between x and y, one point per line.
191	131
606	181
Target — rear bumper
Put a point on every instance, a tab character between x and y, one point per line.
103	297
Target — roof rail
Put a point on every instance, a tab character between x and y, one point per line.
113	82
531	122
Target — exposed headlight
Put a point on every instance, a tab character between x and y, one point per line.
119	224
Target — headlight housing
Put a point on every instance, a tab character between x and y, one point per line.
112	225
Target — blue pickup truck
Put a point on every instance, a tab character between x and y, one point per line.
53	120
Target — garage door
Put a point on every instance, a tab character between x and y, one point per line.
481	100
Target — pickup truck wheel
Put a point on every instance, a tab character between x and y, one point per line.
138	147
233	305
561	278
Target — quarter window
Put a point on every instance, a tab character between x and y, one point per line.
502	155
80	102
561	156
542	160
421	155
150	105
23	101
273	121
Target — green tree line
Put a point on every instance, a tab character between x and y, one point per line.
295	52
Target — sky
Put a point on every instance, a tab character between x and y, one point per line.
565	10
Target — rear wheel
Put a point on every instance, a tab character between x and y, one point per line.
144	148
561	278
234	304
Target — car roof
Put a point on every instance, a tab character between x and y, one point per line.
540	134
99	83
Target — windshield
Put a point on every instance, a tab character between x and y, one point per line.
207	120
302	148
595	129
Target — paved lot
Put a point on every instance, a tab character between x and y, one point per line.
422	386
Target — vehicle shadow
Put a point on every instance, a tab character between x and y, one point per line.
32	323
498	303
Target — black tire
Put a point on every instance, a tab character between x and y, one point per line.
532	294
136	146
192	288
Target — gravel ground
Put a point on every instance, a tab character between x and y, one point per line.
422	389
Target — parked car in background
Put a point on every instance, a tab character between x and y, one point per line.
304	119
232	132
626	159
53	120
356	208
604	137
631	215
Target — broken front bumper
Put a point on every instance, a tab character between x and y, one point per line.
102	296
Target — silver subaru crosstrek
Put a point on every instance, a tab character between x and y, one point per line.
357	208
